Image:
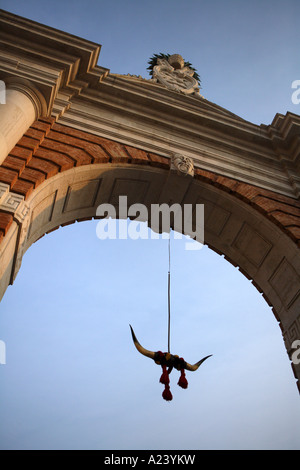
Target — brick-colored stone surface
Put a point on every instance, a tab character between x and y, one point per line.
48	168
95	152
117	152
42	126
24	188
48	148
14	163
29	143
21	152
79	156
33	176
159	161
62	161
8	176
5	222
138	156
35	134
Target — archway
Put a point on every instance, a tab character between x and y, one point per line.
111	135
72	315
237	223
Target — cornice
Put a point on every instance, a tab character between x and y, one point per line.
149	100
139	112
50	59
43	38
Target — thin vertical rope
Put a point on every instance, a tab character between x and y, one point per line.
169	290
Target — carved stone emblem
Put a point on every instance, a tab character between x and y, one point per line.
175	76
183	165
4	189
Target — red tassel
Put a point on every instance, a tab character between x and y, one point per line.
164	379
182	382
167	395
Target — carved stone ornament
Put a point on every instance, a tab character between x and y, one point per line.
175	76
183	165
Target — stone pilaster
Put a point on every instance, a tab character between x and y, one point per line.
23	104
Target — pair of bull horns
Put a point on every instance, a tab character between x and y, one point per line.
153	355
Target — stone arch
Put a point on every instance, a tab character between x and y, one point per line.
56	175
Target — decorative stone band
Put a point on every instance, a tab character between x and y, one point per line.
9	201
48	148
14	205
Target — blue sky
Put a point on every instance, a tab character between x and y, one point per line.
73	379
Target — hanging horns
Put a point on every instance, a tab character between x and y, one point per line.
169	360
140	348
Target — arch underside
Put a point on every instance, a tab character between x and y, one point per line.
246	238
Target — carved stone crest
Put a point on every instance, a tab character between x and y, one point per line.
175	76
183	165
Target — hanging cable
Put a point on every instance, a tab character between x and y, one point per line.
166	360
169	290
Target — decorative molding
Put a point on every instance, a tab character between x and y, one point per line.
23	215
291	334
175	76
16	205
4	189
147	116
9	201
184	166
51	60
